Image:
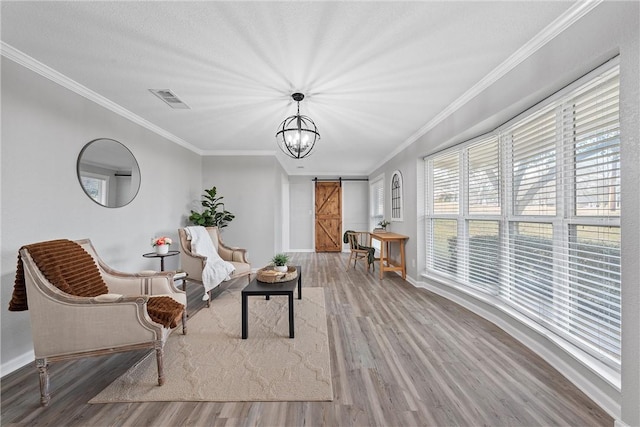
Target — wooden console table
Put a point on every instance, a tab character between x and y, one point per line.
385	239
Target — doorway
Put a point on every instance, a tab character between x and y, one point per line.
328	223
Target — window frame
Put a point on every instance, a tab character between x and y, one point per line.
104	186
397	199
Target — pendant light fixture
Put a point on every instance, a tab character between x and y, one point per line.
297	135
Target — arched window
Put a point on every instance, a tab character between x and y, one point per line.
396	196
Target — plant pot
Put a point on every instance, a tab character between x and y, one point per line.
281	268
162	249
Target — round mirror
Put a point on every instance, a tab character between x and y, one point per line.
108	173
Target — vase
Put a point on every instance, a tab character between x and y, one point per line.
281	268
162	249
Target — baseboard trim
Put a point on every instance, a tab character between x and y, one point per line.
17	363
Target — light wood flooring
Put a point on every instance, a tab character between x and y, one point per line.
400	356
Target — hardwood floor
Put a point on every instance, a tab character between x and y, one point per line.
400	356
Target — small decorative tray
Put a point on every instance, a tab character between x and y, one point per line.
269	275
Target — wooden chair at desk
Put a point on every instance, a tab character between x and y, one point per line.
360	246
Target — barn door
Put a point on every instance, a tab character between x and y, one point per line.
328	217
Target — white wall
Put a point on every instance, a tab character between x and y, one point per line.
611	28
355	207
44	127
301	214
252	191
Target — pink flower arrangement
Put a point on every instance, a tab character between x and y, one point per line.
158	241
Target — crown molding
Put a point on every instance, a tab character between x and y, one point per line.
557	26
47	72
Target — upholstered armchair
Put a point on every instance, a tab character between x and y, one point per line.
80	307
193	263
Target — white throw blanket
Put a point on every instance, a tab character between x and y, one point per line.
216	269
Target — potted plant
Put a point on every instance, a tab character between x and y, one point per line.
280	261
383	224
161	244
215	215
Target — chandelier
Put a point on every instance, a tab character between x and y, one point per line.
297	135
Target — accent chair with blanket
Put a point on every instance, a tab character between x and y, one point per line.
360	248
207	260
80	307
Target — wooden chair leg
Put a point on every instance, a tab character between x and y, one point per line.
43	368
349	262
184	321
159	345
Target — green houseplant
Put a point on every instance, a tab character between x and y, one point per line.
383	224
214	214
280	261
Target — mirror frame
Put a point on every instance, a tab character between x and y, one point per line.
134	165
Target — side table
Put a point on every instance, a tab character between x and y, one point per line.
385	238
161	256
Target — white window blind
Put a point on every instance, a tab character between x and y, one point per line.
446	184
530	257
483	188
484	254
444	248
376	197
591	119
543	237
534	165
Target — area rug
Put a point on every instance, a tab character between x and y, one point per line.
213	364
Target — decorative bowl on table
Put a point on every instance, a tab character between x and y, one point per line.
269	274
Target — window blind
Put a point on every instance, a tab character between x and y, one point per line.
484	258
592	120
533	162
530	256
444	249
483	187
446	184
376	193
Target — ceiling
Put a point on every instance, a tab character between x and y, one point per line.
375	74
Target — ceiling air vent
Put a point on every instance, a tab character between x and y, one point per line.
170	98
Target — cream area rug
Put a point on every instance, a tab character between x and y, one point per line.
213	364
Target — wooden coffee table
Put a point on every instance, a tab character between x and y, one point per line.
255	288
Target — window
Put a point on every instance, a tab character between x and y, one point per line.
531	214
96	186
443	227
396	196
376	197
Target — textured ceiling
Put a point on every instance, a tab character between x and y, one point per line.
374	73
